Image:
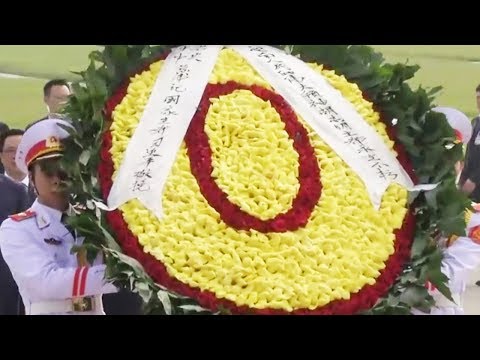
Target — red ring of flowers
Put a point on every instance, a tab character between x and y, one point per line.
200	155
362	300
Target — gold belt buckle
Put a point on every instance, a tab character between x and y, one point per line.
83	304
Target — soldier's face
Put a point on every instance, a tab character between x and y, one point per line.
48	177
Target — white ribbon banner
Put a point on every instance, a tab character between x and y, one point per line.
178	90
332	117
153	148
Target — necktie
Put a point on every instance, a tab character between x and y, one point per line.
70	229
81	255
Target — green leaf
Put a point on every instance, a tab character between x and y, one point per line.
413	296
435	275
419	243
415	126
110	241
192	308
96	56
126	259
432	92
431	198
84	157
128	273
223	311
144	291
165	300
393	300
91	251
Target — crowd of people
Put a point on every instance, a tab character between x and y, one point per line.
31	280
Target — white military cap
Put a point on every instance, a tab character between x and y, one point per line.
458	121
40	141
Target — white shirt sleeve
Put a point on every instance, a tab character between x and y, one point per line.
36	269
460	258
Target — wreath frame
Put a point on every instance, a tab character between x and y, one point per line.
428	140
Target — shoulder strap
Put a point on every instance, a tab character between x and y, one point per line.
23	215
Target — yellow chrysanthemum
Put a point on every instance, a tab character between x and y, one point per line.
343	247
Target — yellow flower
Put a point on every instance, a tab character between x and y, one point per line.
343	247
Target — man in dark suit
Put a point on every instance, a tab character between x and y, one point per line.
14	200
470	178
55	95
9	141
14	197
3	128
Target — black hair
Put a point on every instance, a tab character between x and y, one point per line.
8	133
55	82
3	127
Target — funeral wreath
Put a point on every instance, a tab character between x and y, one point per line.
263	180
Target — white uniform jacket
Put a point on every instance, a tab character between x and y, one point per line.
459	259
36	246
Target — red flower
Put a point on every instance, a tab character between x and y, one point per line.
200	156
309	180
114	101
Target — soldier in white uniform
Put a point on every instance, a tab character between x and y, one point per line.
36	245
461	254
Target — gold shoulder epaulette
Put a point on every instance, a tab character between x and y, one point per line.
23	215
